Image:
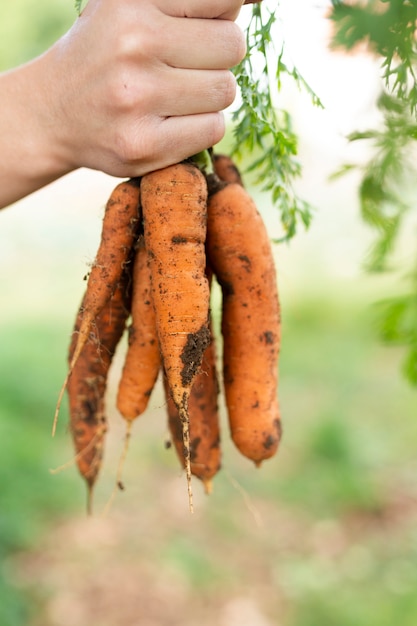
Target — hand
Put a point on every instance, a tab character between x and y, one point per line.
133	86
143	84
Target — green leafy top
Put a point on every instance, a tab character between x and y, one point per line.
388	27
385	176
263	130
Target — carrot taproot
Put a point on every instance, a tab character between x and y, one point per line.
226	169
240	254
119	230
142	361
87	384
203	408
174	205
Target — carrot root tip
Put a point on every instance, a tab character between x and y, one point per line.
185	421
89	500
208	486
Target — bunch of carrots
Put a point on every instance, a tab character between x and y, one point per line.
165	238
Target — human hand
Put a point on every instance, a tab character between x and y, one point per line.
137	85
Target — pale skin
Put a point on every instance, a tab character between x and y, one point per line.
135	85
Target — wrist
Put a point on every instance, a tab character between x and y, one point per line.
29	129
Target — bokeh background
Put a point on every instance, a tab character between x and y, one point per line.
323	534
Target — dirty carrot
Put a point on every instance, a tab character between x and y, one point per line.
87	384
119	230
240	255
174	204
204	421
226	169
142	362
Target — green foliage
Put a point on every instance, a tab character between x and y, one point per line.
362	598
397	326
30	497
385	175
79	4
389	29
261	128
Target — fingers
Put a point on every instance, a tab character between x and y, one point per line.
142	30
181	137
224	9
172	139
179	73
138	86
202	44
174	92
177	42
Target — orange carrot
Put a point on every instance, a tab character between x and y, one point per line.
174	204
226	169
87	384
240	254
119	230
204	421
142	361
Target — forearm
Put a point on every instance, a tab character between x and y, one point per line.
31	157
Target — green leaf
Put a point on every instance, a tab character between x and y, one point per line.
396	324
388	28
342	171
263	130
409	366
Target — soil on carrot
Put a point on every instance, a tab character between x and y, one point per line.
192	353
270	440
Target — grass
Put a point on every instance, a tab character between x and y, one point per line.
30	497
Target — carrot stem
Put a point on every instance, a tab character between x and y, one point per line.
203	161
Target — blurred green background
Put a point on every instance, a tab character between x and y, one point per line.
323	534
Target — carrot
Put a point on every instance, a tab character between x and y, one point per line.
240	254
226	169
87	384
120	223
142	362
204	421
174	204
